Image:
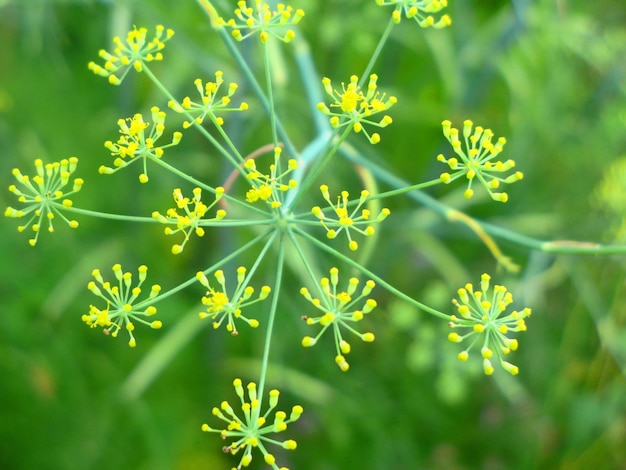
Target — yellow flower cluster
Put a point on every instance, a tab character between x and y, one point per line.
221	308
43	195
121	311
355	107
270	187
346	220
339	310
135	144
263	20
477	160
421	11
209	103
133	53
191	220
481	317
253	429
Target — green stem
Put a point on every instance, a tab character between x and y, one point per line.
371	275
132	218
270	94
377	52
228	40
407	189
256	264
305	262
311	83
272	317
557	246
103	215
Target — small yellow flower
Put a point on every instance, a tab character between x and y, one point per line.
347	220
222	308
133	53
477	160
269	188
192	220
263	20
136	144
355	107
43	195
209	104
339	310
480	316
421	11
252	430
122	310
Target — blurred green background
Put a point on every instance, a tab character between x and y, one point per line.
549	75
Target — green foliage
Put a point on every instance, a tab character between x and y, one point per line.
550	77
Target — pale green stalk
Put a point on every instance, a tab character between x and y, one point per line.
257	262
377	51
305	262
272	316
270	94
318	166
557	246
228	40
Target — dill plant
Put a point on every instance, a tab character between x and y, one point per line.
273	211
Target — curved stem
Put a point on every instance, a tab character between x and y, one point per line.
557	246
311	82
318	166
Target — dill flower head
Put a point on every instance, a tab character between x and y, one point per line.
131	54
261	19
483	322
253	429
136	143
270	187
222	308
339	310
358	220
211	102
122	310
476	160
43	196
421	11
192	219
354	107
